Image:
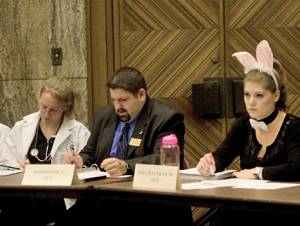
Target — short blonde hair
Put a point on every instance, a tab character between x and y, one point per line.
60	88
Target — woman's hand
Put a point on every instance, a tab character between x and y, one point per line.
245	174
23	163
206	166
73	158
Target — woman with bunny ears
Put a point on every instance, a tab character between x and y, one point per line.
266	138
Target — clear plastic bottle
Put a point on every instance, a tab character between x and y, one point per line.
169	151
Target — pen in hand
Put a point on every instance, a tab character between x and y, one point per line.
23	163
6	167
211	170
73	157
72	150
211	166
70	154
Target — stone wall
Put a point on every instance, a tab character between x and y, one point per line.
28	30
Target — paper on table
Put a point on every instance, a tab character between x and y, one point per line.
269	185
90	174
9	172
237	183
232	182
193	174
199	185
94	174
118	177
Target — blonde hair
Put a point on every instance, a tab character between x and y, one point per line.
268	82
60	88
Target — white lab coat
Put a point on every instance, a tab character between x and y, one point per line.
18	141
4	131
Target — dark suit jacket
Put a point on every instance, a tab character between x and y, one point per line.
155	121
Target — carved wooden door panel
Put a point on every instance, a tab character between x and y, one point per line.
248	22
177	43
277	21
173	43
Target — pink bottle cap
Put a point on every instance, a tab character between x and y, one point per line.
170	140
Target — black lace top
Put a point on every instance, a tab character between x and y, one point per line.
281	161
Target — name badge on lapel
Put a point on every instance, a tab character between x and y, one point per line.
135	142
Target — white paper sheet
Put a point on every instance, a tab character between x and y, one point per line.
9	172
237	183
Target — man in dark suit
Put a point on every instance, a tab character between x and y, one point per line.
147	120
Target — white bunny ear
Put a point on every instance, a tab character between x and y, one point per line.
265	59
264	55
246	59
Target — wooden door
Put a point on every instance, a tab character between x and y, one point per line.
173	42
177	43
248	22
277	21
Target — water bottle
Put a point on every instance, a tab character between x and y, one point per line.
169	151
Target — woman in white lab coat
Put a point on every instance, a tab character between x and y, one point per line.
26	138
44	137
4	130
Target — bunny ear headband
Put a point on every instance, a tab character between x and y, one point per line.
263	61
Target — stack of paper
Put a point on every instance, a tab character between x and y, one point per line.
89	174
193	174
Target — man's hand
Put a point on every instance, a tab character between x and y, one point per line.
115	167
71	158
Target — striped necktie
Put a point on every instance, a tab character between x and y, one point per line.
123	143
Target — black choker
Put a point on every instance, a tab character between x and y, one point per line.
270	118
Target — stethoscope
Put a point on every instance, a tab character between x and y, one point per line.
35	152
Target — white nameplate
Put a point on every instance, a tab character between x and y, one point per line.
156	177
50	174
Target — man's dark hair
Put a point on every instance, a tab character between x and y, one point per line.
129	79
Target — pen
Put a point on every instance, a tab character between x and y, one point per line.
211	166
71	149
211	169
9	167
